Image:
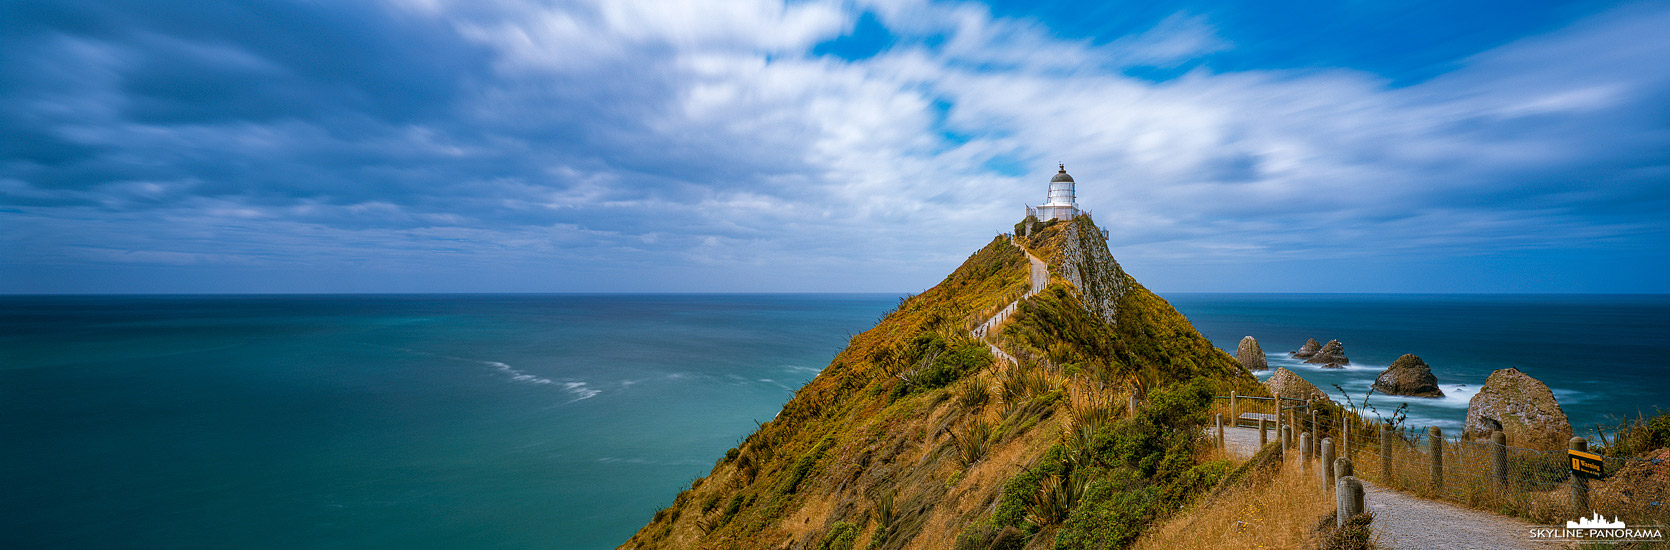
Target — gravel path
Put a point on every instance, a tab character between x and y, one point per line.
1407	522
1242	442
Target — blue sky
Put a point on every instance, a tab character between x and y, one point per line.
752	145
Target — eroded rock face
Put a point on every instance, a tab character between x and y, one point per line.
1410	376
1522	407
1250	355
1307	350
1086	262
1285	383
1331	356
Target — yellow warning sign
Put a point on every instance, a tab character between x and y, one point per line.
1585	464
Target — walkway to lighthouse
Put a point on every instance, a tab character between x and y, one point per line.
1040	279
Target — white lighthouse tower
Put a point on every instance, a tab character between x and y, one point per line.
1063	199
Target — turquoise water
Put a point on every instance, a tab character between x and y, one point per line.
564	421
384	421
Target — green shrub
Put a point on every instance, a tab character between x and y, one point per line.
841	536
977	536
1011	504
1108	516
938	364
1642	435
1055	498
1182	489
803	466
731	509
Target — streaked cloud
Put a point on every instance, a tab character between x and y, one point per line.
648	146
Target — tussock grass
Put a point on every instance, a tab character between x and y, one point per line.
1019	384
972	441
971	394
1056	497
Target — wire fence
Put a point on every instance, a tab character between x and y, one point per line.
1537	484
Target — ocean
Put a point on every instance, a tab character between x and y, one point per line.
1604	356
565	421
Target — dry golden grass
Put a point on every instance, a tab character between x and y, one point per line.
977	489
1278	513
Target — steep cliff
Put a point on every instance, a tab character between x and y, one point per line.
915	436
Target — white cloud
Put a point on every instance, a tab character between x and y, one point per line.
700	134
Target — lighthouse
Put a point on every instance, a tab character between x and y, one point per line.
1062	200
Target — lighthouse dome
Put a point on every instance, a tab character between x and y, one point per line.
1061	176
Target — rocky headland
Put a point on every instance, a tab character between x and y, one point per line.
923	434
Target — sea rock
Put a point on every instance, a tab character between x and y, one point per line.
1410	376
1331	356
1522	407
1286	384
1250	355
1306	350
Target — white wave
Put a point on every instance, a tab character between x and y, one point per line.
517	375
1455	395
798	368
580	390
1567	397
1296	364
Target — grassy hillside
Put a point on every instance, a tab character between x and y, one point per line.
915	437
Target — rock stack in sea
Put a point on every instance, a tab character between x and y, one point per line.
1250	355
1522	407
1306	350
1410	376
1331	356
1284	383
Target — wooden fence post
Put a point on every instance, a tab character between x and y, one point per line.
1328	460
1232	413
1386	455
1263	434
1286	438
1277	423
1291	421
1435	448
1342	467
1344	434
1499	460
1315	433
1304	452
1348	500
1221	443
1579	486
